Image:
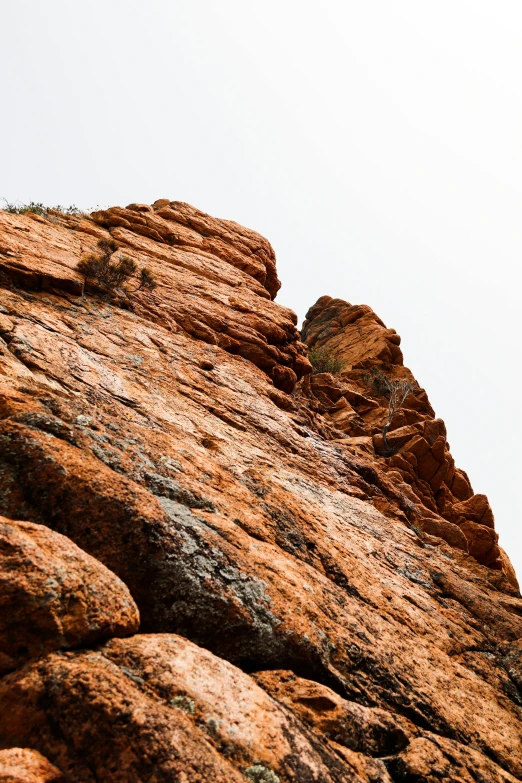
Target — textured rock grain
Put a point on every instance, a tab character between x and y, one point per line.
22	765
54	596
325	604
415	455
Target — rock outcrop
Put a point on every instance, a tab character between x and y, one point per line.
437	496
312	608
216	279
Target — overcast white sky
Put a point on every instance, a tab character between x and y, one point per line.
377	144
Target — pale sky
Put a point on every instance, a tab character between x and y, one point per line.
376	144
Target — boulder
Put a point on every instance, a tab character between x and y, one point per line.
452	534
54	596
396	438
460	485
360	333
482	541
325	384
158	708
437	759
23	765
371	731
476	509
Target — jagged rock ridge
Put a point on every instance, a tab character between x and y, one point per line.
302	618
416	455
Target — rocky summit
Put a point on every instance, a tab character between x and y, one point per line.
231	551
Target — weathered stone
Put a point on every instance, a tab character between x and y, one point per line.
235	268
482	541
22	765
242	519
476	509
445	530
371	366
460	485
157	708
508	569
54	596
325	383
436	759
397	438
360	334
373	732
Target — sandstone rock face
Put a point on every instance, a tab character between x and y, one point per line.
312	609
216	279
204	718
54	596
21	765
415	454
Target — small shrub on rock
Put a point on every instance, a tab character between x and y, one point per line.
37	208
395	391
147	279
259	774
379	382
109	273
324	360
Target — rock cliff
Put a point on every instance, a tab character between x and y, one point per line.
213	565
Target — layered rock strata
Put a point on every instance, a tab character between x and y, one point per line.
216	279
437	495
296	623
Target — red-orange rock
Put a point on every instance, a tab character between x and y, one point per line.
22	765
54	596
445	530
476	509
159	708
325	384
482	541
95	724
258	524
508	569
415	442
215	277
436	758
460	485
371	731
354	333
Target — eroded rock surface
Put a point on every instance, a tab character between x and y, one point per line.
311	608
415	454
157	707
22	765
55	596
216	279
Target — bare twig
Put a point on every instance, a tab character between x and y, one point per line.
398	391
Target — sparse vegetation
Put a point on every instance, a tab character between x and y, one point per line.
37	208
184	703
399	390
324	360
110	273
259	774
378	381
147	279
395	392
